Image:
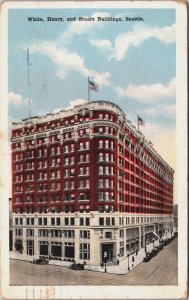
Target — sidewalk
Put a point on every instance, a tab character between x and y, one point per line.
120	269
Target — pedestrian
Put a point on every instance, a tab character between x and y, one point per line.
133	259
145	249
118	262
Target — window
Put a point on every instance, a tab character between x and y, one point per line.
101	221
72	184
72	172
121	233
72	221
87	222
69	250
66	221
30	247
107	157
106	183
18	232
100	144
108	221
66	148
107	130
100	195
85	251
84	221
29	221
100	183
84	145
108	235
106	170
84	234
69	233
84	183
106	144
72	160
72	147
29	232
100	157
84	196
66	161
100	170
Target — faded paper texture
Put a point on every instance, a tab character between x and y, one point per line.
93	150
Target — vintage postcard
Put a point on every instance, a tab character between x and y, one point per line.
93	150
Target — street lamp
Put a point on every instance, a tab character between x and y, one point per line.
128	254
105	260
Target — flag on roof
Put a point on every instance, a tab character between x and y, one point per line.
93	86
141	121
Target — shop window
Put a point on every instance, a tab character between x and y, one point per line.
85	251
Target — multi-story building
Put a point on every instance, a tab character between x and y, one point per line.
10	225
85	181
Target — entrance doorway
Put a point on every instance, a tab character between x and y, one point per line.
107	252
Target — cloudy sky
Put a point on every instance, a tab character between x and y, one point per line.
133	63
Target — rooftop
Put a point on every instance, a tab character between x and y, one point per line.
100	104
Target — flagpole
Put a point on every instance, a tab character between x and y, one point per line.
29	108
88	91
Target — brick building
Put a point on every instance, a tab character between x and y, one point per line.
85	181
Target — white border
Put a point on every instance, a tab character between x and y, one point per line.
101	292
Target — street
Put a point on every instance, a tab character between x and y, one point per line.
161	270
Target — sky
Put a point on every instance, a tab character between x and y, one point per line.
133	63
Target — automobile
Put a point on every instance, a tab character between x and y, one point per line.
40	261
166	242
160	246
147	257
155	251
76	266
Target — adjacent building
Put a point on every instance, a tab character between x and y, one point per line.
175	213
85	181
10	225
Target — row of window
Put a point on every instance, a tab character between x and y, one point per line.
55	150
83	234
107	157
103	221
57	124
67	221
55	249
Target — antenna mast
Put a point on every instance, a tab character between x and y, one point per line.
28	80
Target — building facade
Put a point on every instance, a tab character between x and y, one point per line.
85	181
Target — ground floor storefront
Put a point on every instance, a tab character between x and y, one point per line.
92	240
